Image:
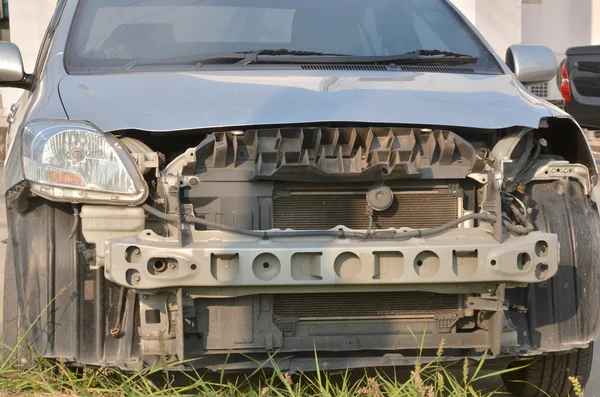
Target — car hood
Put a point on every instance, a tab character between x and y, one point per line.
178	101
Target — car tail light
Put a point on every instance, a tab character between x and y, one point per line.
565	86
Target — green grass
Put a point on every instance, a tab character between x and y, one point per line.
42	377
53	378
46	377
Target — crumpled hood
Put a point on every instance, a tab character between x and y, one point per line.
179	101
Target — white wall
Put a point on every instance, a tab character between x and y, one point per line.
498	20
28	22
500	23
595	22
560	24
467	7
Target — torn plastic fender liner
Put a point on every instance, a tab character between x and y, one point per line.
16	198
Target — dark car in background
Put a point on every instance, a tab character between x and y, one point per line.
580	85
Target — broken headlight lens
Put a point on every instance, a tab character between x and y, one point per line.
75	161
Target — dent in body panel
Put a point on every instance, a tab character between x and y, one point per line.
163	101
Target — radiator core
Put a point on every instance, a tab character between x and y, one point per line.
367	304
321	210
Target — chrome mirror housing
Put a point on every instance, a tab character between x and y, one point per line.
531	64
12	71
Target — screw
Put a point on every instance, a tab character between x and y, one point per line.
136	278
173	265
187	233
159	230
193	182
144	297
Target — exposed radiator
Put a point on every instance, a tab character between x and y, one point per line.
319	210
369	304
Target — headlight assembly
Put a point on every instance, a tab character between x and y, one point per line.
74	161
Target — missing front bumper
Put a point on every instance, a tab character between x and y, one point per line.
218	259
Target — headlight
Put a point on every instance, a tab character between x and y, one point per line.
74	161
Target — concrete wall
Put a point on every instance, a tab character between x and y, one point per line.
595	22
28	22
498	20
467	7
561	24
558	24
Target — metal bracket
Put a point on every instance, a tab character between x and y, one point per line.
557	170
147	161
484	303
481	177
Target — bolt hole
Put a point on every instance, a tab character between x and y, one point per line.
148	234
493	262
541	249
192	154
159	266
541	271
419	263
193	267
133	254
266	265
523	261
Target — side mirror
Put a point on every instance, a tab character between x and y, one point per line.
12	72
531	64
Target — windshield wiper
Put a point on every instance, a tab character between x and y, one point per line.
242	57
253	56
285	56
444	54
416	57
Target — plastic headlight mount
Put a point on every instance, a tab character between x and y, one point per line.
76	162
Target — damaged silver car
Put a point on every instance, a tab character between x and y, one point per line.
215	182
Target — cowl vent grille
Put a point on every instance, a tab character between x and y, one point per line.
402	68
436	69
373	68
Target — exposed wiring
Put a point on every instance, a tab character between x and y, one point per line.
116	331
378	234
513	197
522	218
370	225
75	222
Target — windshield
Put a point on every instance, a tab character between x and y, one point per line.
113	33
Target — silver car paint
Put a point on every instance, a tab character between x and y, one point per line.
180	101
11	63
170	101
